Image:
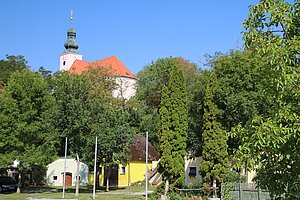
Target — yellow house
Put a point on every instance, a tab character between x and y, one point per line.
134	171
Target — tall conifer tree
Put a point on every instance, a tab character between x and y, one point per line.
173	134
215	164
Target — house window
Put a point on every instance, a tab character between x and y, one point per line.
192	171
122	170
64	63
76	177
55	178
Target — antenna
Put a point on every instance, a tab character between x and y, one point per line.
71	19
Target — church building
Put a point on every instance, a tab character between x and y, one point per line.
71	60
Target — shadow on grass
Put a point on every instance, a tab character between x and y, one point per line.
82	189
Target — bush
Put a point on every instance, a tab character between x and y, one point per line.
175	196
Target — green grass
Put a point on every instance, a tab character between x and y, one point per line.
25	196
85	193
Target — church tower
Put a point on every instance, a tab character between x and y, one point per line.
70	53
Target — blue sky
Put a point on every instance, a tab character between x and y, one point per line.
136	31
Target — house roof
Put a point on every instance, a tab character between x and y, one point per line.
138	150
112	64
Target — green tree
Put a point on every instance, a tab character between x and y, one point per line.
244	91
145	109
215	164
153	77
174	125
26	133
84	110
10	65
196	112
270	142
112	128
72	115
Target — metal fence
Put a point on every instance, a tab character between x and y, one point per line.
243	191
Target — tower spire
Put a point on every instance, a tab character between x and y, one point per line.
71	44
71	19
70	53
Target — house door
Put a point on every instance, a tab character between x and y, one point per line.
68	181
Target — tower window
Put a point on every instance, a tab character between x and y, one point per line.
64	63
54	178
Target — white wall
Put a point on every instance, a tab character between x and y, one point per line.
193	162
57	169
69	59
125	88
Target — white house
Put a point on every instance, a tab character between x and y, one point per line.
191	170
55	173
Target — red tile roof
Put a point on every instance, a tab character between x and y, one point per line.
111	63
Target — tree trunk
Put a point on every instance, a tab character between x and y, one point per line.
167	187
97	176
19	183
77	180
214	188
107	184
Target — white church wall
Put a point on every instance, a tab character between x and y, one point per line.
125	88
67	60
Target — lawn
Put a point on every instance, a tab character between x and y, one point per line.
131	192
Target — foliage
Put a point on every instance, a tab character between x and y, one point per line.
84	109
175	196
48	76
196	111
215	163
159	190
101	83
112	128
25	131
270	143
143	119
71	115
226	187
12	64
149	90
153	77
174	124
234	177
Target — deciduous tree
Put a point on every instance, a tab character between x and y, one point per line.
26	133
270	143
10	65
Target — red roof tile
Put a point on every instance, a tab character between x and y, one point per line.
111	63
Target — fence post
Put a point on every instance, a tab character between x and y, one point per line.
258	193
240	191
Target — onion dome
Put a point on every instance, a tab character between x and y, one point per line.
71	44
